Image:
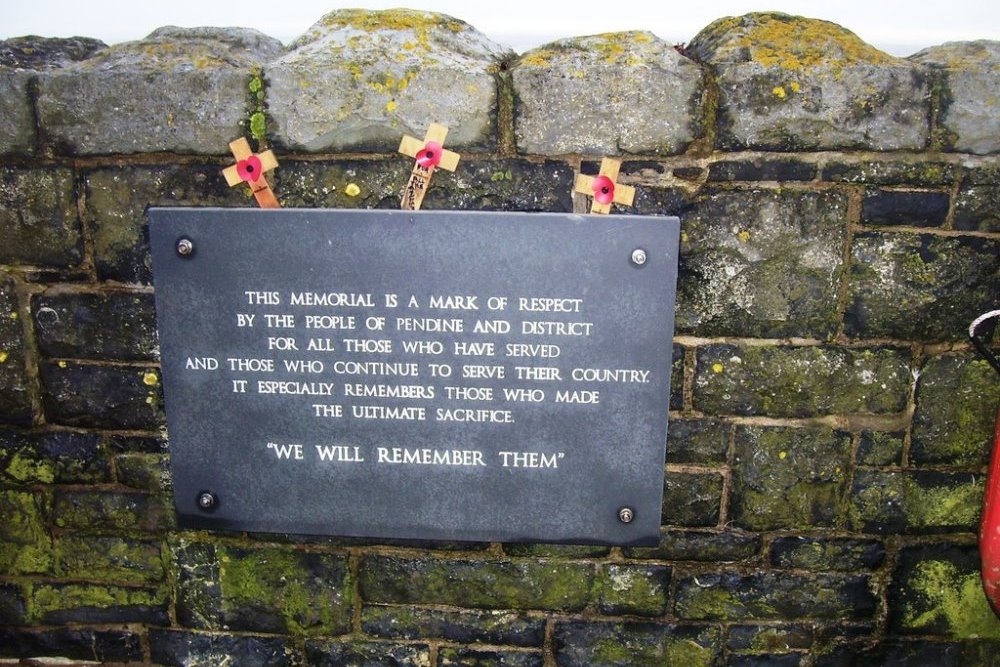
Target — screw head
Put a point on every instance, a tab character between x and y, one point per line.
625	515
185	247
639	257
206	500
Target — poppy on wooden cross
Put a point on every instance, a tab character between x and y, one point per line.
249	169
429	154
603	187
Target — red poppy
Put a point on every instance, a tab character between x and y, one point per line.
250	169
604	189
430	155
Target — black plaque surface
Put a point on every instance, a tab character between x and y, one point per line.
305	359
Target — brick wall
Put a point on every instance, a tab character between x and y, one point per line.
829	424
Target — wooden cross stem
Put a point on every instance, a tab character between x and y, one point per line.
429	154
250	168
604	189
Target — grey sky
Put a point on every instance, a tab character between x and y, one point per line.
899	27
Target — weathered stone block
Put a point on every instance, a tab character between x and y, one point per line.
283	591
115	325
880	449
111	559
362	79
25	540
182	90
38	217
111	513
691	499
917	171
104	646
791	83
957	397
761	169
738	250
20	59
51	458
782	381
636	590
144	472
774	595
915	653
919	286
97	604
102	396
117	199
788	478
476	584
377	654
699	441
198	592
970	87
467	657
770	639
916	502
556	550
13	606
677	377
904	207
15	387
595	644
182	649
977	209
627	92
728	546
831	554
135	444
482	627
766	660
936	590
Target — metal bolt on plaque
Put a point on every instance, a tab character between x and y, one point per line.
207	501
639	257
625	515
185	247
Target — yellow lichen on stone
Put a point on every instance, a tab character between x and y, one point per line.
150	378
3	357
390	106
779	92
352	190
717	368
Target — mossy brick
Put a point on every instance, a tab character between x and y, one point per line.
55	604
625	92
197	589
726	546
25	540
879	448
919	286
111	512
908	208
466	627
832	554
977	209
936	590
788	477
765	660
181	648
738	252
698	441
20	60
116	203
108	325
477	584
505	185
677	377
911	653
770	639
469	657
807	381
917	171
791	83
82	394
578	551
39	221
957	399
181	90
15	385
346	183
359	79
601	644
103	646
691	499
632	589
367	653
119	560
970	86
916	502
285	591
134	444
13	606
56	457
772	595
657	200
762	169
144	472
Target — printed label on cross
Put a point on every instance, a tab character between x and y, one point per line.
429	154
250	168
604	189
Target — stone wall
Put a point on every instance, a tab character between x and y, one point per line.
829	424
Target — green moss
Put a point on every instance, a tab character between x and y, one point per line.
712	603
951	597
631	590
956	505
28	470
25	543
48	599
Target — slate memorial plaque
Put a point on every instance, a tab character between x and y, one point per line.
417	375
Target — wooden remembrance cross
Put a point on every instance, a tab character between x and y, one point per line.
603	187
429	153
250	168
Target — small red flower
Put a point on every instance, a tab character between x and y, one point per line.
604	190
430	155
250	169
